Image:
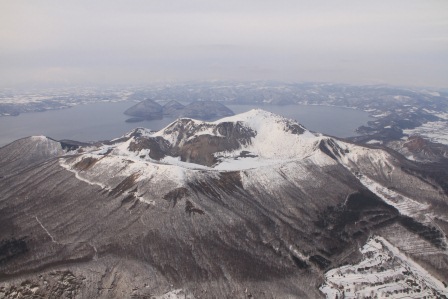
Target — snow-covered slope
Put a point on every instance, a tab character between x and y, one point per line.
253	204
383	272
276	137
269	152
187	149
251	140
27	152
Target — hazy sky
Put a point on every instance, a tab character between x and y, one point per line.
140	41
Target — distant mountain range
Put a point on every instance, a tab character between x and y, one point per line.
248	206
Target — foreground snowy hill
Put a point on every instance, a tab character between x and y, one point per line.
252	205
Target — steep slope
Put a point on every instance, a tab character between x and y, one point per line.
27	152
252	205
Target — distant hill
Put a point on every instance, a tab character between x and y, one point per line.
206	110
172	108
147	109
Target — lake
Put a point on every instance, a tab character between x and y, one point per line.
104	121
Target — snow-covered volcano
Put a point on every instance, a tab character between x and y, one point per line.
249	140
256	143
253	204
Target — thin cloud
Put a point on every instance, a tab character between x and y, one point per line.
140	41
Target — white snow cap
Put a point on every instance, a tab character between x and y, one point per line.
274	137
277	140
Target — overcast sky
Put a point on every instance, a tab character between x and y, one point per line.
132	41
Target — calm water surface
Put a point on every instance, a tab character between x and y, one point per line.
104	121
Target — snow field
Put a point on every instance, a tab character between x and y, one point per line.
384	272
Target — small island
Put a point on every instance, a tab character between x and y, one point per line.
172	108
202	110
145	110
206	110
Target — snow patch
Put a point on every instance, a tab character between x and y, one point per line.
273	140
435	131
39	138
231	164
176	161
405	205
175	294
381	115
384	272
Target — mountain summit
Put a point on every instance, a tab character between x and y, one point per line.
252	205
